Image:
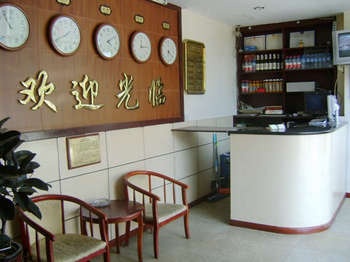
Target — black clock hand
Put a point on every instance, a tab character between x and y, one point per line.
62	36
7	21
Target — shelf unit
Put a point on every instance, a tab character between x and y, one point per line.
262	82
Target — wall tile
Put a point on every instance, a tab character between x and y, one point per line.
46	156
186	163
158	140
184	140
87	187
125	146
115	178
205	157
163	164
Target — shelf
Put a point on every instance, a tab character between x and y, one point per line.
262	93
320	53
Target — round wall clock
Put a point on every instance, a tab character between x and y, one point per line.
140	46
167	51
64	35
14	27
107	41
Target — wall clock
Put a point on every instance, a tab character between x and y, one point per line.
107	41
140	46
14	27
167	50
64	35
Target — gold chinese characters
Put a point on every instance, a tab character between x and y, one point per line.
37	90
85	92
88	91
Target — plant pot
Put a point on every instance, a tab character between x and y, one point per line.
14	254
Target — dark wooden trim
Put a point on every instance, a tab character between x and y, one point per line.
287	230
37	135
347	195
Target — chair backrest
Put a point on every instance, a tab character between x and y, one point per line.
161	187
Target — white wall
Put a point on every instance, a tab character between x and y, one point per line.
220	95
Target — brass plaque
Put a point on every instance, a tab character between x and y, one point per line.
83	150
105	10
194	71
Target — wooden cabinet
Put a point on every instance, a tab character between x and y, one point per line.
270	57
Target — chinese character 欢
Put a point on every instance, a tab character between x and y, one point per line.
37	90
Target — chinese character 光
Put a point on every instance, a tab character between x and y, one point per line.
126	86
37	90
89	89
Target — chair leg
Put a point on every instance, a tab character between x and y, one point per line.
106	257
187	228
156	240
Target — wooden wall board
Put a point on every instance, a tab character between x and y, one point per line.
38	55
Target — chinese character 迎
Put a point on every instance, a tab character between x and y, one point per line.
89	92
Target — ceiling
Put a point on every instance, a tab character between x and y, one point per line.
242	12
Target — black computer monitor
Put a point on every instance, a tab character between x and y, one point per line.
315	103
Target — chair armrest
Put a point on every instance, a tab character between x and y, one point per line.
140	190
26	220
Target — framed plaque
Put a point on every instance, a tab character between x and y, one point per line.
194	69
83	150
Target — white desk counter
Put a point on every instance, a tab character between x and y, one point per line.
292	182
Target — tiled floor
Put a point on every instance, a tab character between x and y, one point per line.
213	239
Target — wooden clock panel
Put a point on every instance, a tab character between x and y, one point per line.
38	55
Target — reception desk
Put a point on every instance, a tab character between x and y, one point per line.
287	182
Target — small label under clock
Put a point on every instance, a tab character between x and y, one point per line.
63	2
105	10
139	19
166	26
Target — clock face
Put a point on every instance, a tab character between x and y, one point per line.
107	41
168	51
140	46
64	35
14	27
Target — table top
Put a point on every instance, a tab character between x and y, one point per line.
120	210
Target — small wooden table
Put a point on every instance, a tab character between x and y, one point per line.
124	211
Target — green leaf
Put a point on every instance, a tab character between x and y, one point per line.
5	241
3	121
36	182
26	203
7	208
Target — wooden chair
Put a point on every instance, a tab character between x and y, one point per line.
60	235
163	197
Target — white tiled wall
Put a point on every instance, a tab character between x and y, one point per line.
184	155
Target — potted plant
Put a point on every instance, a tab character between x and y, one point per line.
16	186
